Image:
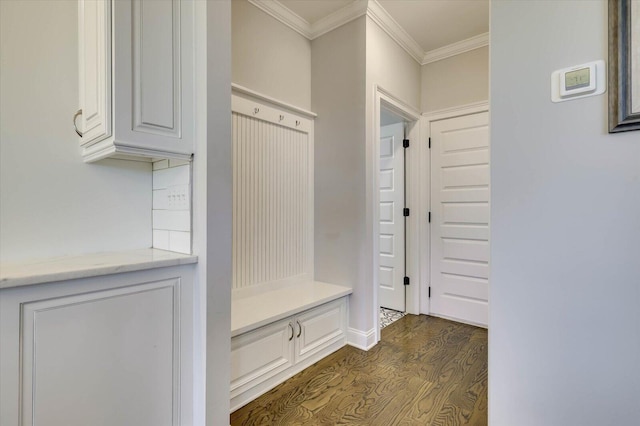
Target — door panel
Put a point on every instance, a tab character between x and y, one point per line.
392	245
460	218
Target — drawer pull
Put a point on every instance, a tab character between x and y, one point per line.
299	329
291	327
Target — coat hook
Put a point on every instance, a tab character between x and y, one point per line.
256	110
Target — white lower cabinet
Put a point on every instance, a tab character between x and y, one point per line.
111	350
265	357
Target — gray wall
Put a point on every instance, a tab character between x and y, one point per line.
346	65
269	57
455	81
564	334
338	86
51	203
391	67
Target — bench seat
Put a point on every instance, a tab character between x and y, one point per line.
251	311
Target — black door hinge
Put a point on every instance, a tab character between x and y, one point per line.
429	292
429	143
406	280
429	217
405	212
405	143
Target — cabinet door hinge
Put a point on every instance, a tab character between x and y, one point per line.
406	280
405	143
405	212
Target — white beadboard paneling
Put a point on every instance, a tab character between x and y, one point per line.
171	177
161	239
172	220
180	242
271	201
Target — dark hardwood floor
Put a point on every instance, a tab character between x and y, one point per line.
425	371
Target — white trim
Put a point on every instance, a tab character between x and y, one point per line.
462	321
454	49
389	25
339	18
398	106
379	15
457	111
363	340
285	15
237	89
424	206
413	200
107	149
252	107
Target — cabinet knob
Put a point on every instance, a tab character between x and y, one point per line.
75	126
299	329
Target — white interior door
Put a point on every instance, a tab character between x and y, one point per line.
460	218
392	245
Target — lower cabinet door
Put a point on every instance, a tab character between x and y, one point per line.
108	350
321	329
258	358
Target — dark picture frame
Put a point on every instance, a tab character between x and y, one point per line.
624	67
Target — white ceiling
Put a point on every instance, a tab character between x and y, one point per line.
431	23
437	23
314	10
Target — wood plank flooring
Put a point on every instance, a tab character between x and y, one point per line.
424	371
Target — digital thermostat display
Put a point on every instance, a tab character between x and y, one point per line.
577	79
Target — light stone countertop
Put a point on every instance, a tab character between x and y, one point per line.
88	265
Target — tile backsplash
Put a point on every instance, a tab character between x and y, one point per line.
172	205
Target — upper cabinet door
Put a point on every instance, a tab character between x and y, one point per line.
148	49
95	70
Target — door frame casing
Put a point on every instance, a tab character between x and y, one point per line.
411	116
425	195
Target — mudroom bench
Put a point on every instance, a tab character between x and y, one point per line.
277	331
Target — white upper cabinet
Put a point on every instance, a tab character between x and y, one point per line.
136	79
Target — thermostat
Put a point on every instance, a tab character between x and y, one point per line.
578	82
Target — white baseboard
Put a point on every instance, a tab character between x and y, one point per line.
364	340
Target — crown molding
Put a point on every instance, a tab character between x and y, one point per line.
285	15
389	25
456	48
338	18
456	111
379	15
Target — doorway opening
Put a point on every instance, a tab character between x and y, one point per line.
396	193
392	219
